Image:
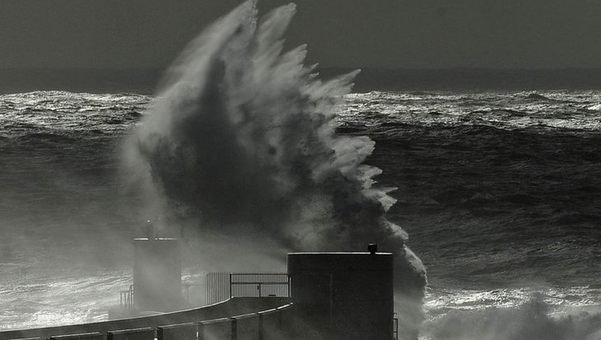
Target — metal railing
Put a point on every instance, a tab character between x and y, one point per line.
259	284
126	298
217	287
222	286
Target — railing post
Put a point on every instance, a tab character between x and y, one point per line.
280	318
131	296
261	329
187	292
231	293
234	329
331	298
201	331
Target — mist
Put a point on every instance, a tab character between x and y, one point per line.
241	140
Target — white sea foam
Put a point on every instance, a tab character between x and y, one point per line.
512	318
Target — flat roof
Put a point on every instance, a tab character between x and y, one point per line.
338	253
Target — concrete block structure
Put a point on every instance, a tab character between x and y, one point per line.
346	296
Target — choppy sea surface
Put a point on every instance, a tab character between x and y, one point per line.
499	191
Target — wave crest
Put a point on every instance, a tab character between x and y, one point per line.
532	320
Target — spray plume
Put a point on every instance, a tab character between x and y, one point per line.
242	135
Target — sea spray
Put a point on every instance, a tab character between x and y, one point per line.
241	136
532	320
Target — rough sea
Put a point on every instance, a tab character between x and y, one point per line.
500	193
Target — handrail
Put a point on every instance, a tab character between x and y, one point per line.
238	279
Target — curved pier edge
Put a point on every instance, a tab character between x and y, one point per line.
232	308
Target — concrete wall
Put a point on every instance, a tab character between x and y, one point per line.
234	306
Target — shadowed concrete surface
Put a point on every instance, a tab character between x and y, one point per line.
346	296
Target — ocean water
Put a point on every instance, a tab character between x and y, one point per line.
500	193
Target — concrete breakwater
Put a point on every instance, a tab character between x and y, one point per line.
333	296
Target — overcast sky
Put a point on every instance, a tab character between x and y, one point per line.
340	33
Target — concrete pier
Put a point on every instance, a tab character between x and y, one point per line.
334	296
